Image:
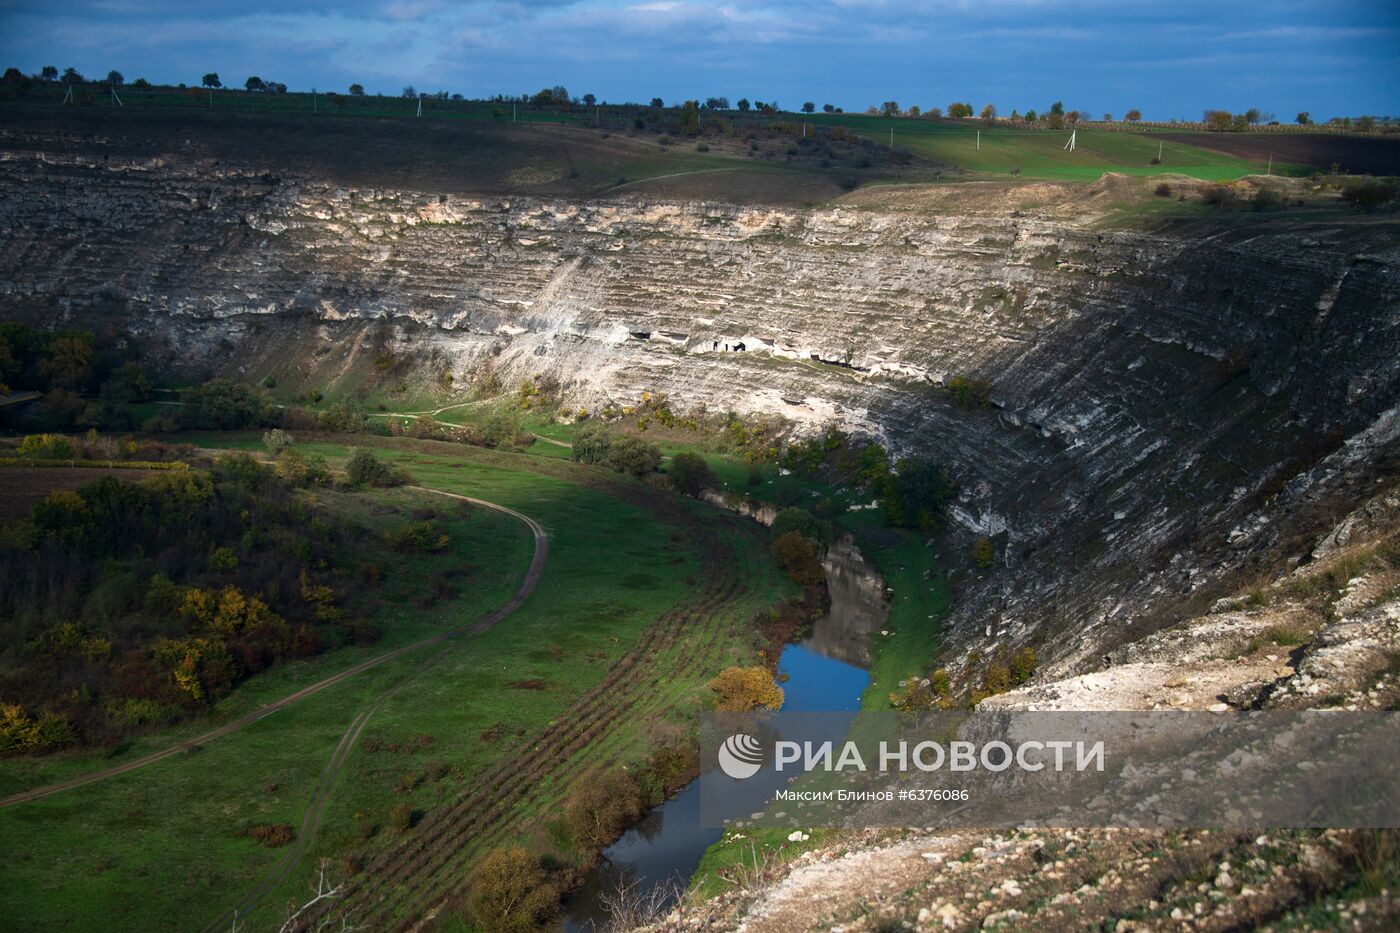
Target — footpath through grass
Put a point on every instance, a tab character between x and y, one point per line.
164	847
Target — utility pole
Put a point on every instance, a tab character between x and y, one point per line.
1271	164
420	105
114	95
979	140
512	111
1159	152
68	95
891	137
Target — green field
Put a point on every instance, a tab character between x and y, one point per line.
1039	153
175	827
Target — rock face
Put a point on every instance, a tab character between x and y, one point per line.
1161	411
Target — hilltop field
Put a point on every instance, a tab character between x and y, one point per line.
794	159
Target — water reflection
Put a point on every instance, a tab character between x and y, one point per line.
825	672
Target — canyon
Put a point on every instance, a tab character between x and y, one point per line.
1171	409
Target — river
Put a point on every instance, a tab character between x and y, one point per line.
827	671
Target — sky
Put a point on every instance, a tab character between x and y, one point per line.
1168	58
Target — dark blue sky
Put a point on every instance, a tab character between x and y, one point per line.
1171	58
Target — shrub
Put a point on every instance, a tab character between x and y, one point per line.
297	469
401	817
508	892
1369	195
276	441
690	474
1222	196
800	557
802	522
365	469
603	804
417	537
915	494
1163	190
20	732
627	454
970	393
46	447
1022	665
273	835
592	444
740	689
982	552
997	678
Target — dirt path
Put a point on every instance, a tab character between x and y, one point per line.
532	576
320	797
550	440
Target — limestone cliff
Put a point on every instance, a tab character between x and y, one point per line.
1166	408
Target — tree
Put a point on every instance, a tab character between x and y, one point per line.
800	556
827	108
804	523
958	110
916	494
602	805
589	100
1058	108
1134	115
1032	116
275	87
1365	123
409	91
1108	118
982	552
357	90
717	103
49	73
808	107
889	108
508	891
254	83
365	469
989	112
934	113
628	454
68	358
1218	120
1251	115
656	102
1304	118
743	105
71	76
211	80
913	111
740	689
689	474
115	79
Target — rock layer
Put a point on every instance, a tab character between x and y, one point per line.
1165	407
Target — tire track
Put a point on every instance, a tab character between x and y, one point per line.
320	797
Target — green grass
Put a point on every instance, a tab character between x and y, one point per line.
743	848
1040	154
173	827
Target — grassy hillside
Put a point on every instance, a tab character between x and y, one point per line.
1040	153
647	639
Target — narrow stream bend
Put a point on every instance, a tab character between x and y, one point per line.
826	672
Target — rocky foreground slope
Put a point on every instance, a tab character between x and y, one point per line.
1167	410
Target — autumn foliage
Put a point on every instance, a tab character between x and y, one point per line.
739	689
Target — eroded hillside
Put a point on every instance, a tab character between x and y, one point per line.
1168	411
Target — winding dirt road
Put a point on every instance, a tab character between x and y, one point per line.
532	576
